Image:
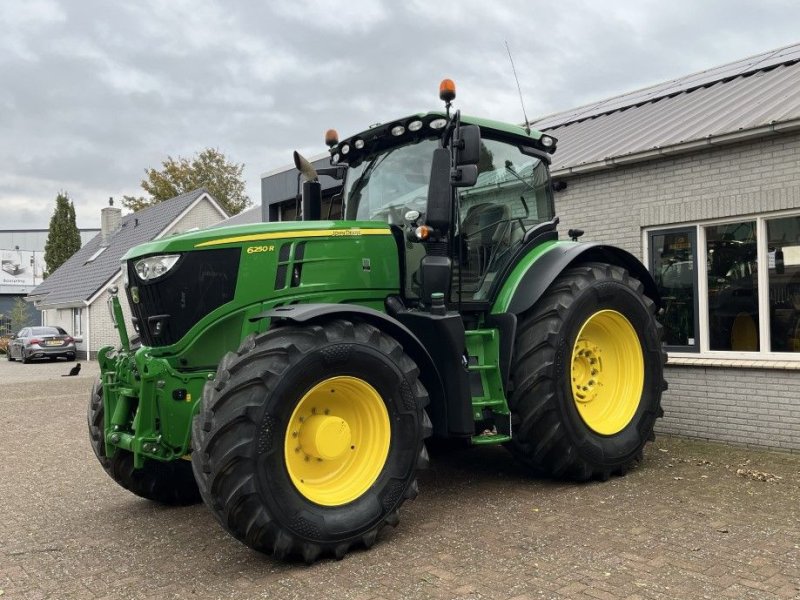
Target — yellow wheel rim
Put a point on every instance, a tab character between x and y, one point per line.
337	440
607	375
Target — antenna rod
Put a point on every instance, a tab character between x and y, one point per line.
519	89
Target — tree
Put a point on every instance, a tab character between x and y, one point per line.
64	239
210	169
19	315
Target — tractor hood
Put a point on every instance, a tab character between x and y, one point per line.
237	235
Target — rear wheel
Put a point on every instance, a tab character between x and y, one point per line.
588	375
164	482
310	437
24	357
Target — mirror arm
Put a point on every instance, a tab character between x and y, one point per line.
337	172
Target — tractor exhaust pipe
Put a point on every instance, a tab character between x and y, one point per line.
312	189
312	201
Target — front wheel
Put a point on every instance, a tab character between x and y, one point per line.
309	438
588	375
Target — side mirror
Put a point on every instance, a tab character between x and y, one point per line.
440	198
467	146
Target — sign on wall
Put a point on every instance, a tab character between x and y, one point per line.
21	268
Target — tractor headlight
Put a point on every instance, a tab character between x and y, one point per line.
153	267
437	123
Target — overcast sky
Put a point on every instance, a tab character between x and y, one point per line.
93	92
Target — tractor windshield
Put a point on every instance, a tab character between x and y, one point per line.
384	186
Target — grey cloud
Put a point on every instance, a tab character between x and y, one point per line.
95	92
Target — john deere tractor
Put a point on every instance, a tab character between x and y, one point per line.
289	373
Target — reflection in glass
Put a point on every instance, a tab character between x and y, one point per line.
673	269
731	253
783	245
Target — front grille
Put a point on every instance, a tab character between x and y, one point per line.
169	306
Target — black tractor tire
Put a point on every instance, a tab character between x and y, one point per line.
550	435
240	437
164	482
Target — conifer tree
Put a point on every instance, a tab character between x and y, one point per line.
64	239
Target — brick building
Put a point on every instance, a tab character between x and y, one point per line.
700	178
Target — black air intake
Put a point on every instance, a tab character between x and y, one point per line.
170	305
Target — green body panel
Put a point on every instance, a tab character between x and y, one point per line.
511	283
151	394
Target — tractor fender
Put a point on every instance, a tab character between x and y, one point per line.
304	313
521	291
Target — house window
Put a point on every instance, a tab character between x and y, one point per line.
77	321
673	263
730	286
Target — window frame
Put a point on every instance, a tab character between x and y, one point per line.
77	317
692	232
765	355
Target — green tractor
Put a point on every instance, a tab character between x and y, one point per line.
289	373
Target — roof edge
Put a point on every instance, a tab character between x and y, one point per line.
710	141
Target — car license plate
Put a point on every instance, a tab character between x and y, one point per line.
53	343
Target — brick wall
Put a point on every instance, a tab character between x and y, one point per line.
201	216
103	332
614	205
756	407
747	406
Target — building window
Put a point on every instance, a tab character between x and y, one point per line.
77	321
673	263
95	255
783	261
730	286
732	271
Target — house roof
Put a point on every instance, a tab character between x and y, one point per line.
750	97
250	215
77	280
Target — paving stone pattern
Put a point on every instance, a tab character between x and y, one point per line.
695	520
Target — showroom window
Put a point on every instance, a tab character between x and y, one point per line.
673	263
731	286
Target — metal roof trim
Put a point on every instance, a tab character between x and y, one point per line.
679	148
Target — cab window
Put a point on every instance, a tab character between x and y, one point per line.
512	195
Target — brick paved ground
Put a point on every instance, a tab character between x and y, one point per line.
683	525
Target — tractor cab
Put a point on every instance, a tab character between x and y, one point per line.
486	222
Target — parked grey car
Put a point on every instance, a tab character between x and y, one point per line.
41	342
